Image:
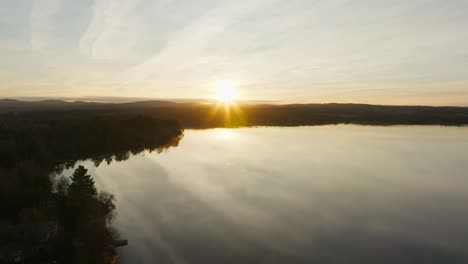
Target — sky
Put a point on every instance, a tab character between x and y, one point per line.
358	51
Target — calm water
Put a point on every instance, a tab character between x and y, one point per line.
330	194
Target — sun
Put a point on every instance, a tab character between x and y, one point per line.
226	93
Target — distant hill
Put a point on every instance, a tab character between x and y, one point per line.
204	115
11	105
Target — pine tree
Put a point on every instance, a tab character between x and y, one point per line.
82	183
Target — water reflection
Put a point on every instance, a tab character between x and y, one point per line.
224	134
333	194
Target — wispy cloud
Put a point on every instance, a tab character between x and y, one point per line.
274	49
111	34
41	22
187	50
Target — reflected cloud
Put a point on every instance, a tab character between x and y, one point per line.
324	205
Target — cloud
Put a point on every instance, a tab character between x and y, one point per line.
109	35
41	23
185	52
275	49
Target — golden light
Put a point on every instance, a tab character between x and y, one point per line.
224	134
226	92
227	106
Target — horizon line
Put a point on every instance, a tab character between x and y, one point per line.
124	99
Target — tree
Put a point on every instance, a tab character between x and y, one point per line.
107	205
82	183
63	184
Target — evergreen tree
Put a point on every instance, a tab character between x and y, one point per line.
82	183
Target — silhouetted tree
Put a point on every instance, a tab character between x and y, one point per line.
107	205
82	183
62	186
84	218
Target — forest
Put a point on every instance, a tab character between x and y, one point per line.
211	115
46	216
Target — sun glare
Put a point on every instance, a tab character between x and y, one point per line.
226	92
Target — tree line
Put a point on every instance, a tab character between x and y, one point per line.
34	153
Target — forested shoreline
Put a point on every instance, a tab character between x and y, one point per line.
212	115
46	216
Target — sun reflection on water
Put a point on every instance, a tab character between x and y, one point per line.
225	134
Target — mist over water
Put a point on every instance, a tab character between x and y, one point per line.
327	194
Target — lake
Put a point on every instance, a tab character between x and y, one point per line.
325	194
